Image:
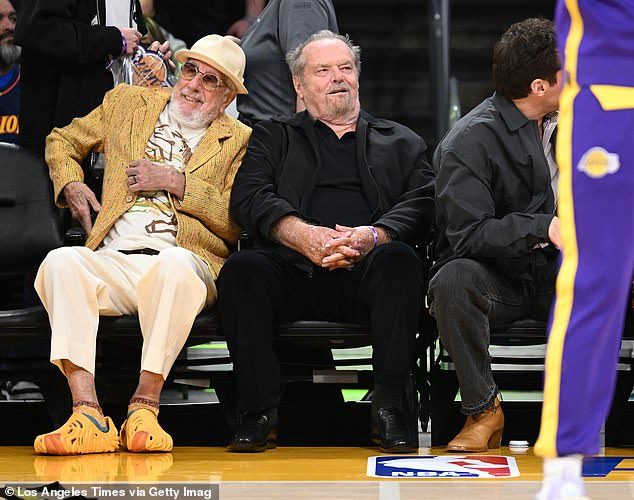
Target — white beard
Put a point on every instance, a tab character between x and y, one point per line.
9	54
192	119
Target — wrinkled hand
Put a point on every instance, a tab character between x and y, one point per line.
164	51
314	243
132	38
80	199
350	247
554	232
144	175
307	239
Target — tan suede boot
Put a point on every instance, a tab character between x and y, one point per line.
480	432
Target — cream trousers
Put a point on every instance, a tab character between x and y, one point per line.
168	290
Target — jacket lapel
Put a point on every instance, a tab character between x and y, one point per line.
364	167
209	145
144	120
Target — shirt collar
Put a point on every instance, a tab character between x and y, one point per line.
510	113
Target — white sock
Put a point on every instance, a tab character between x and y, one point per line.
562	476
568	466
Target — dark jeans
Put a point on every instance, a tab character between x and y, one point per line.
467	298
258	288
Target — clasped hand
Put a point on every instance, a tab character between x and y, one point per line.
339	248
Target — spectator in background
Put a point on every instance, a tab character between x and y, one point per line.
333	199
9	75
158	242
498	234
190	20
282	26
15	286
69	42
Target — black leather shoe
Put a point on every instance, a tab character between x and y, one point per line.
389	431
257	431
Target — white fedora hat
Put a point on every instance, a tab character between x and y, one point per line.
221	53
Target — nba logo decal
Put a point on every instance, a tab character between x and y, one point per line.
454	467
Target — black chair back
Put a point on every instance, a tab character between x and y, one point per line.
30	225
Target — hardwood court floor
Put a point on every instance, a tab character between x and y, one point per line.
296	473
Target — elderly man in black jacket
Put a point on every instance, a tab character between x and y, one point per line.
333	199
498	235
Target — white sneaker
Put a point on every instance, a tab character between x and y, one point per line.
562	479
565	489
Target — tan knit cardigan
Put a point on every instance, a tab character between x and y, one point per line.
120	127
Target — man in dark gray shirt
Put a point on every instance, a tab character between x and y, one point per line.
498	235
282	26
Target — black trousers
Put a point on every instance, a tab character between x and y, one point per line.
258	288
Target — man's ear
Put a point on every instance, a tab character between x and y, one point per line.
298	86
539	86
230	97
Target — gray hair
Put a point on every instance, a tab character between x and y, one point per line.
229	86
295	57
9	55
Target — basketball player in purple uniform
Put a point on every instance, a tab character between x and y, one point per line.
595	154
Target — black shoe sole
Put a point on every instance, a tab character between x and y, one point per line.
400	448
250	447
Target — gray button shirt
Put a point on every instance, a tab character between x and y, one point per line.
281	26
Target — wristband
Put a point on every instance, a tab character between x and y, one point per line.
125	45
375	234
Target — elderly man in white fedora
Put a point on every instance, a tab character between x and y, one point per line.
159	239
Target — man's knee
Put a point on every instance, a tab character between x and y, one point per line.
174	265
173	262
396	259
62	256
57	261
454	282
396	250
174	258
242	269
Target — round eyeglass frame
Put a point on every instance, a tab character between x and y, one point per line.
209	81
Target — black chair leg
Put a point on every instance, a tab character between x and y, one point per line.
227	393
412	408
615	425
444	390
